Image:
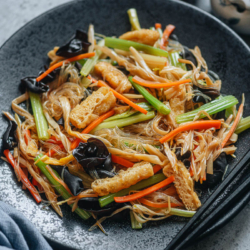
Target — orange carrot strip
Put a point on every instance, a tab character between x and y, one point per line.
234	126
53	151
27	136
158	26
91	78
59	64
190	126
171	191
144	192
157	205
54	140
204	177
156	168
91	126
166	34
121	161
57	179
123	98
23	177
191	171
157	85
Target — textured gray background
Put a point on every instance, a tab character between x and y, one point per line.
15	13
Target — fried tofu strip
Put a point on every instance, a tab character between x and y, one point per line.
184	185
144	36
123	179
91	108
113	76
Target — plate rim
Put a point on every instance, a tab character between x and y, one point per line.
52	241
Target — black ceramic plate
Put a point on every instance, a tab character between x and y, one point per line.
25	52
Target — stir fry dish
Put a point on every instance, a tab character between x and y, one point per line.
128	124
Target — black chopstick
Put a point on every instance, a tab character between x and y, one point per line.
215	215
228	215
176	243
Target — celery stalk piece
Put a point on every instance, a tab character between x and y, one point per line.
59	188
40	120
211	108
82	61
129	112
85	82
174	56
134	223
243	125
125	122
122	44
161	107
105	200
90	63
134	20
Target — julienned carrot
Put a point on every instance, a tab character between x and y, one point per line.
158	26
190	126
123	98
156	168
121	161
59	64
23	177
91	126
27	136
157	205
57	179
54	140
144	192
53	151
157	85
234	126
166	34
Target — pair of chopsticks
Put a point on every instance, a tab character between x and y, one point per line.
197	226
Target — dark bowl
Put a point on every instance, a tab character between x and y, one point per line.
25	52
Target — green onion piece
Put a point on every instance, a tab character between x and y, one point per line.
152	28
125	122
40	120
243	125
129	112
183	213
161	107
211	108
173	57
133	18
105	200
91	62
59	188
134	223
116	43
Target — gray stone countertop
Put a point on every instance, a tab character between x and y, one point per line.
16	13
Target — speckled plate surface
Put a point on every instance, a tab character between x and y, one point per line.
25	52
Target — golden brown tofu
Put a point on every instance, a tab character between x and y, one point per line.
113	76
184	185
123	179
144	36
92	107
